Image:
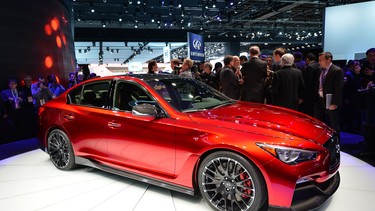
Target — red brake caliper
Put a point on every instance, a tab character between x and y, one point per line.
247	183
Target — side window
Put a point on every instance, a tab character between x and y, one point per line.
74	96
95	94
128	95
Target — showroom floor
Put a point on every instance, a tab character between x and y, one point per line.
29	181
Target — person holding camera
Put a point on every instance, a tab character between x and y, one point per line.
41	93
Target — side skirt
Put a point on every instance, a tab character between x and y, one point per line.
90	163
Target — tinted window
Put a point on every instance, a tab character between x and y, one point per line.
95	94
74	96
127	95
188	95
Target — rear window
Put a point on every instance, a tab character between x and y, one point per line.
93	94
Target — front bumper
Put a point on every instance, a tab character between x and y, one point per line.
311	195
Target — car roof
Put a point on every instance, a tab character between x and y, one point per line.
144	77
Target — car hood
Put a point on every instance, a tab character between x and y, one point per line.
262	119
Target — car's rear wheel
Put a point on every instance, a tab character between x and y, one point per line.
60	150
230	182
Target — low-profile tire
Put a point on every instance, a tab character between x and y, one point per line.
60	150
227	181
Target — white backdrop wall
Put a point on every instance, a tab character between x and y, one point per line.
349	29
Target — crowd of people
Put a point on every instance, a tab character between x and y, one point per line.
19	104
342	97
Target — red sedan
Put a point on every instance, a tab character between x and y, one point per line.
183	135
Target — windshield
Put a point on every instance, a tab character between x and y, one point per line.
188	95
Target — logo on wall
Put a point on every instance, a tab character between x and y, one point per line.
195	47
197	44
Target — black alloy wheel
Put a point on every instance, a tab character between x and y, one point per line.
230	182
60	150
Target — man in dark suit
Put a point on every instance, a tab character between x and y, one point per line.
311	79
288	85
254	73
13	100
331	82
229	81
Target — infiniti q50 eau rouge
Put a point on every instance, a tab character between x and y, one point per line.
180	134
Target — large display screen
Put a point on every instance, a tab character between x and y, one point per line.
349	30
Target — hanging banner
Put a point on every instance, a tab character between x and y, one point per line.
195	47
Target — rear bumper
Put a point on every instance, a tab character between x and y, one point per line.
311	195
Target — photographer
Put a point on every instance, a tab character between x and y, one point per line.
40	92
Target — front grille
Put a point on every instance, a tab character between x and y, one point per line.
333	146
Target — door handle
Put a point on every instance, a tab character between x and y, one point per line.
68	116
114	125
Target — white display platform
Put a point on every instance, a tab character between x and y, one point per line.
29	181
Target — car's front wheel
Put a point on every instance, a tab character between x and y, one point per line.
60	150
230	182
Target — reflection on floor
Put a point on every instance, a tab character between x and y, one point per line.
29	181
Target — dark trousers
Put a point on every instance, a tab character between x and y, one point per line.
330	117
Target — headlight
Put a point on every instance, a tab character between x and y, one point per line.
289	155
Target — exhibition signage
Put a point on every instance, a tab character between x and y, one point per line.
195	47
167	54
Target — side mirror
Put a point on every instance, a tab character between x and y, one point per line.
145	110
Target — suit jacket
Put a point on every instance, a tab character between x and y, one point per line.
229	83
276	66
254	72
287	87
10	106
311	79
333	84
